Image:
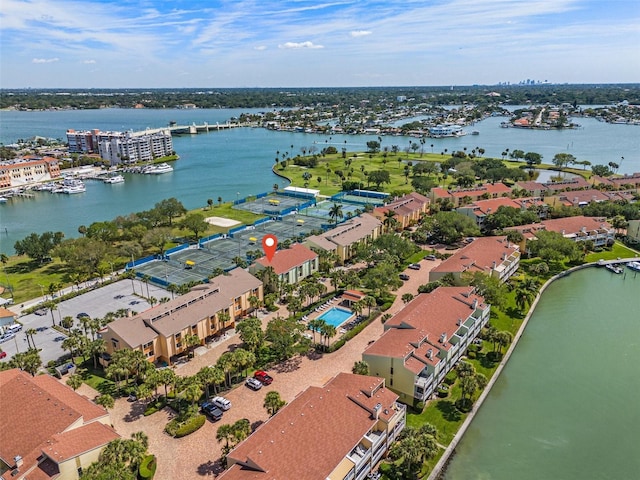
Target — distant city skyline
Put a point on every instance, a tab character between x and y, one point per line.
298	43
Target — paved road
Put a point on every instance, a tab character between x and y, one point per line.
96	303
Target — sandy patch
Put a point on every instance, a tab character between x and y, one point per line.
221	222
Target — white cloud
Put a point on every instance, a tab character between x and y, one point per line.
89	62
260	47
306	44
45	60
360	33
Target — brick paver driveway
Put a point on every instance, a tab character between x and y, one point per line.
194	456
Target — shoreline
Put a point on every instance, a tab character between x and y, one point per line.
441	467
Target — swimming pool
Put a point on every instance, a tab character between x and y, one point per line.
336	316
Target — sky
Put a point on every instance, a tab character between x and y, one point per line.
300	43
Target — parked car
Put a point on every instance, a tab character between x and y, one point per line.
404	276
414	266
83	315
264	377
6	337
41	311
3	354
431	257
211	411
41	329
222	403
253	383
59	338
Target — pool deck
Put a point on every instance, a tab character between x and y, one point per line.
335	302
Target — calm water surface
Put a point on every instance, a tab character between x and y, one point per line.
238	162
567	404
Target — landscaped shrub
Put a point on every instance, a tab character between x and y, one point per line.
190	426
147	468
419	407
386	306
450	378
443	391
155	406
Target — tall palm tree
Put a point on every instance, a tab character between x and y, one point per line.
30	333
273	402
225	433
315	325
335	212
389	219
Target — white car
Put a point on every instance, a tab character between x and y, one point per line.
253	383
222	403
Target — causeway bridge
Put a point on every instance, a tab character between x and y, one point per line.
192	129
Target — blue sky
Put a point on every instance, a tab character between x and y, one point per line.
299	43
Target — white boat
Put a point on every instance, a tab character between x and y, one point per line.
635	266
3	200
157	169
71	187
114	179
442	131
614	268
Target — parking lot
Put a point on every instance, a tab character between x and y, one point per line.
96	303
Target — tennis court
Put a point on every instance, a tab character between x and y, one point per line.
271	204
169	272
353	197
322	209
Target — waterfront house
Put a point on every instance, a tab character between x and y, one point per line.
425	339
480	209
577	229
342	239
48	430
494	256
408	209
462	196
338	431
208	310
627	182
576	198
291	265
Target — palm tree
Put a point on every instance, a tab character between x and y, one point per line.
166	377
360	368
106	400
74	381
225	433
335	212
273	403
389	219
97	347
328	331
192	393
30	333
369	302
52	307
315	325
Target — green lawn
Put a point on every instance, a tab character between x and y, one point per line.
618	250
26	277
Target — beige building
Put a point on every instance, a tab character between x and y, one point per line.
343	239
30	170
160	332
408	209
423	341
292	265
48	431
576	229
494	256
338	431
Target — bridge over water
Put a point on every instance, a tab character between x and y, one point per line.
192	129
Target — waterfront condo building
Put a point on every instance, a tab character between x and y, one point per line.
425	339
291	265
577	229
28	170
122	147
343	239
339	431
479	210
208	310
463	196
48	430
494	256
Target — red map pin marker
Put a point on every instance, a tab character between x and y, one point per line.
269	245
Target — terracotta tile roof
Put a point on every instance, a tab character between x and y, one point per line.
406	205
490	188
89	410
4	313
418	326
289	258
479	255
568	226
45	470
577	197
72	443
353	230
310	436
573	184
530	186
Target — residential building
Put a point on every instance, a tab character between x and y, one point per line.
343	239
576	198
48	430
425	339
7	317
480	209
28	170
536	189
494	256
408	209
339	431
578	229
633	231
630	182
160	332
292	264
463	196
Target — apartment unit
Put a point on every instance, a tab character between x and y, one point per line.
336	432
343	239
48	430
408	209
423	341
207	310
537	189
122	147
578	229
630	182
463	196
480	209
28	170
494	256
292	265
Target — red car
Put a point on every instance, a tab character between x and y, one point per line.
264	377
3	354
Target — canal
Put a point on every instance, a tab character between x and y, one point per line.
566	405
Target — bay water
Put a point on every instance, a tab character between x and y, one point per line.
566	405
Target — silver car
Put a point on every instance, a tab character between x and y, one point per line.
253	383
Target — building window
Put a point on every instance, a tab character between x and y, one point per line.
391	370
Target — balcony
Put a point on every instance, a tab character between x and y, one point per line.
359	456
376	437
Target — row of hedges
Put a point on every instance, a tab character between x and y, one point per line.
177	428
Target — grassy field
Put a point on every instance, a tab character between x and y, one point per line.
618	250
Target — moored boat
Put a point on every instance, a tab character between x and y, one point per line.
614	268
635	266
114	179
157	169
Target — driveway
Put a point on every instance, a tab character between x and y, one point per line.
195	456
